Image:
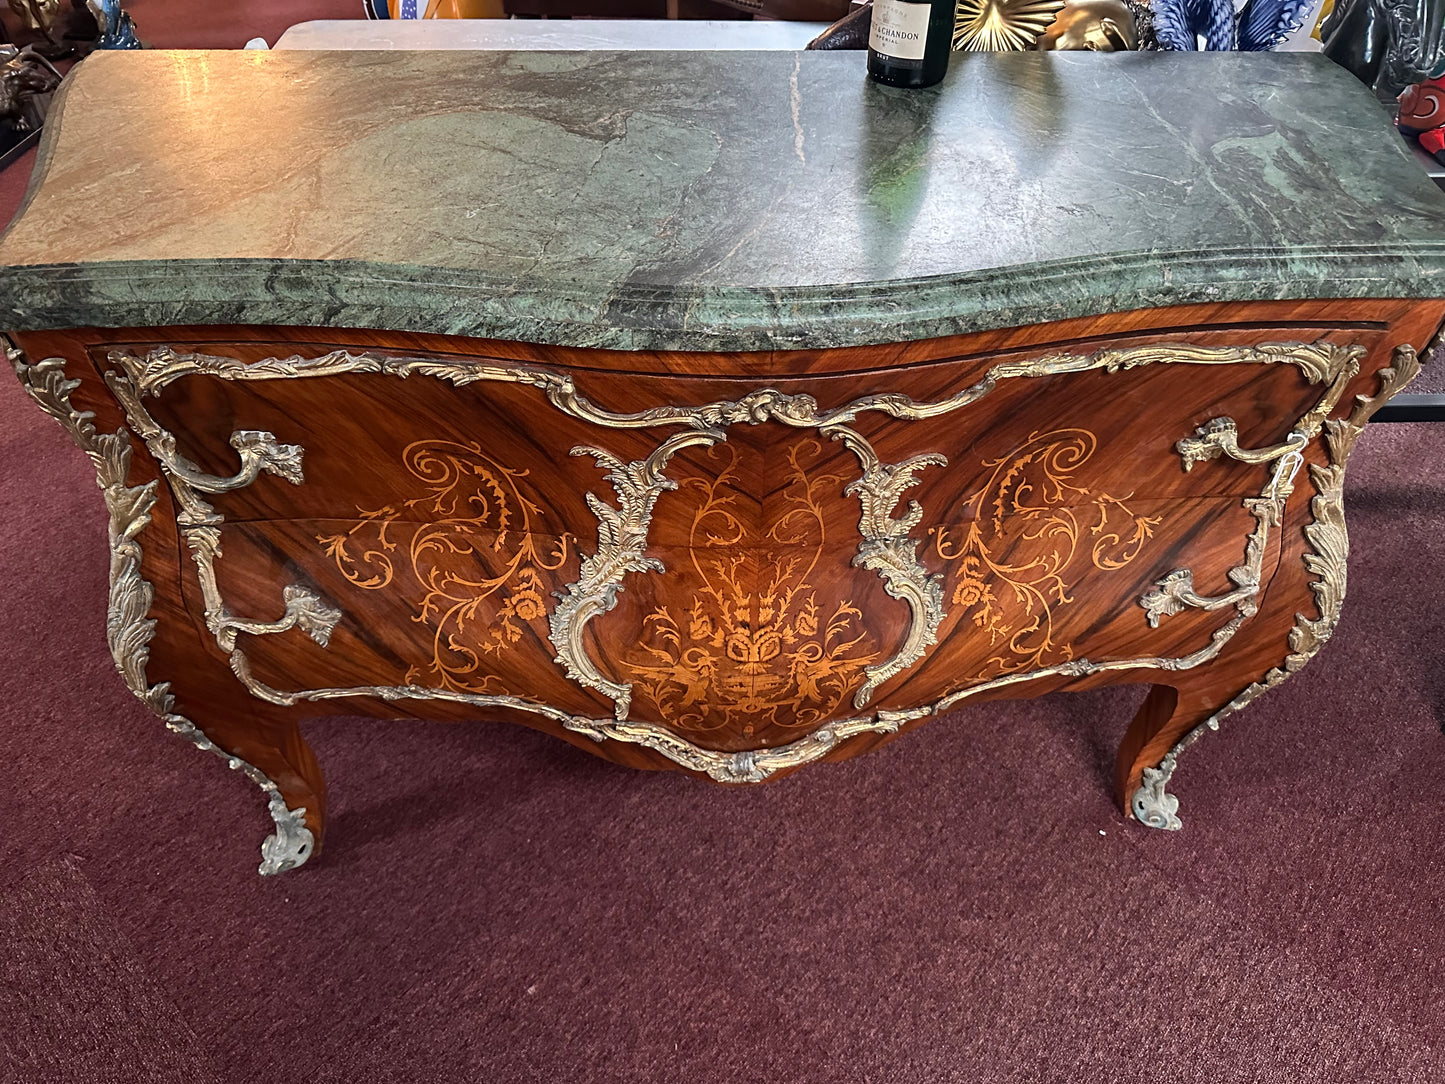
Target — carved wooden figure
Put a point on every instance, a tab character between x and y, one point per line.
679	523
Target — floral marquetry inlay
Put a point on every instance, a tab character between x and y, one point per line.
1030	535
788	633
464	555
757	644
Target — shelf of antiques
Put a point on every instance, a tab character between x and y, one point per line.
722	413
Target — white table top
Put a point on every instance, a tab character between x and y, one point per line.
686	34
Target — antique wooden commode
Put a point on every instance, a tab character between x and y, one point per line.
719	412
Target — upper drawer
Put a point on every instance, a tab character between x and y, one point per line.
379	429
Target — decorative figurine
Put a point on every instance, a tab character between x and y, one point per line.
1422	115
27	83
1388	44
42	17
1103	26
37	14
984	26
1189	25
117	29
27	80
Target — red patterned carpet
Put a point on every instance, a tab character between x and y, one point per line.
964	906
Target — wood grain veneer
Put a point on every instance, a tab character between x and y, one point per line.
447	524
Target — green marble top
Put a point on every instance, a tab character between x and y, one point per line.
740	200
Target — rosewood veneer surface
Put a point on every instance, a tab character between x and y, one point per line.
726	424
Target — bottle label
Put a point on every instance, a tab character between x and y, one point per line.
899	29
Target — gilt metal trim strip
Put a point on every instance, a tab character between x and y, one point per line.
621	542
1318	362
129	626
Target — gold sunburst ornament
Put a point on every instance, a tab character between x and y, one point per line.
990	26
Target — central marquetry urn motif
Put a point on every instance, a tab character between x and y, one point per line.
751	636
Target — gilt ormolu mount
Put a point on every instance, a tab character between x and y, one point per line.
643	470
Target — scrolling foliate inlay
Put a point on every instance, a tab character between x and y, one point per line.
1055	532
754	646
622	529
472	569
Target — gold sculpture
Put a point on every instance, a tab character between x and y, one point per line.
1103	26
988	26
37	14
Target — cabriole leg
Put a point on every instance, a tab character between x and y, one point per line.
1312	566
149	635
1171	720
271	752
1142	775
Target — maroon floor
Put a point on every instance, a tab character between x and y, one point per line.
964	906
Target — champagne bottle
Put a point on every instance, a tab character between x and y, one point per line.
909	41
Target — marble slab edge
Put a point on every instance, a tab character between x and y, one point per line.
634	317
